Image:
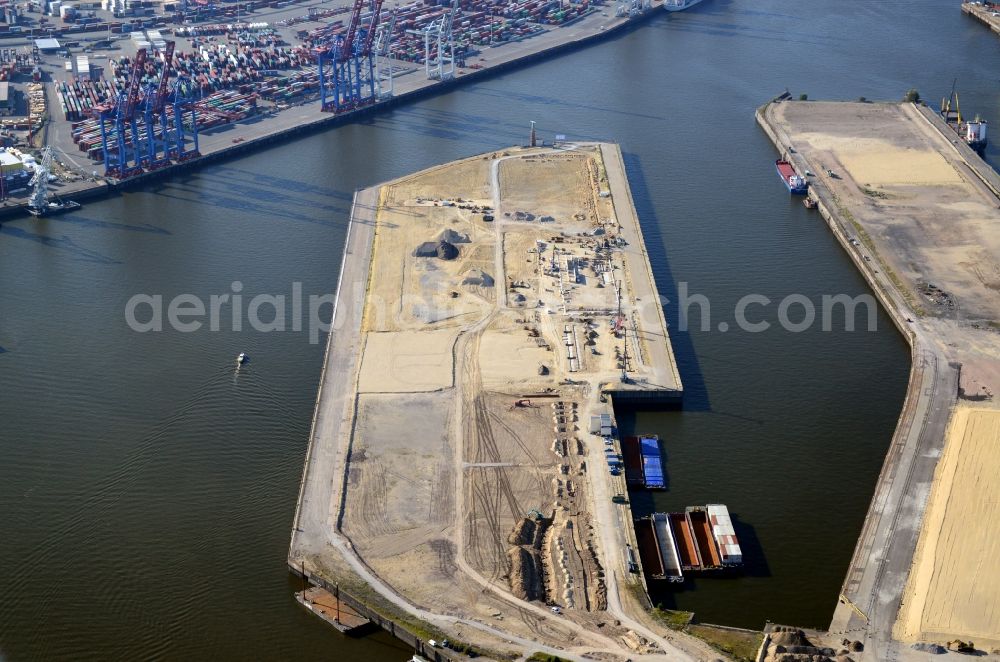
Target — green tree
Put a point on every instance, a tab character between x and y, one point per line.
803	97
912	96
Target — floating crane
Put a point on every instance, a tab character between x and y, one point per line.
40	181
38	203
951	115
974	132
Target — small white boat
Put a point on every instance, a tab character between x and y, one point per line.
241	359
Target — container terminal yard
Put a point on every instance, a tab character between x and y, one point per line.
916	209
487	309
126	89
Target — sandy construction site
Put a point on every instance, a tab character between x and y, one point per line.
501	308
934	220
918	213
954	586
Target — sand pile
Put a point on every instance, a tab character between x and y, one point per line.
453	237
439	249
477	278
790	638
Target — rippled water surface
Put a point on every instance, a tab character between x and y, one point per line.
147	490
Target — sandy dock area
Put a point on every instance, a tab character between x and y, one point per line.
492	322
917	211
954	586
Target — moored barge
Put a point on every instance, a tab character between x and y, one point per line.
643	463
699	540
796	184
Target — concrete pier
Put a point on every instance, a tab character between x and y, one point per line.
486	310
984	14
880	212
664	385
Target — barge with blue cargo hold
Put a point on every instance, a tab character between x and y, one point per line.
643	464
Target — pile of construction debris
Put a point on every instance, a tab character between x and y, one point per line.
787	644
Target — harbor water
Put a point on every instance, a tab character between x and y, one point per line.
148	488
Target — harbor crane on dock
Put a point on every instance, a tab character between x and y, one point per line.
153	107
383	48
439	45
131	147
184	116
172	136
347	79
119	130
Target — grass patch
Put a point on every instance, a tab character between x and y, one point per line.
741	645
602	173
675	620
735	643
545	657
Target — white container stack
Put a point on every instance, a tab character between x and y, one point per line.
725	534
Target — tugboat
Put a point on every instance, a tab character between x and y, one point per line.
39	203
